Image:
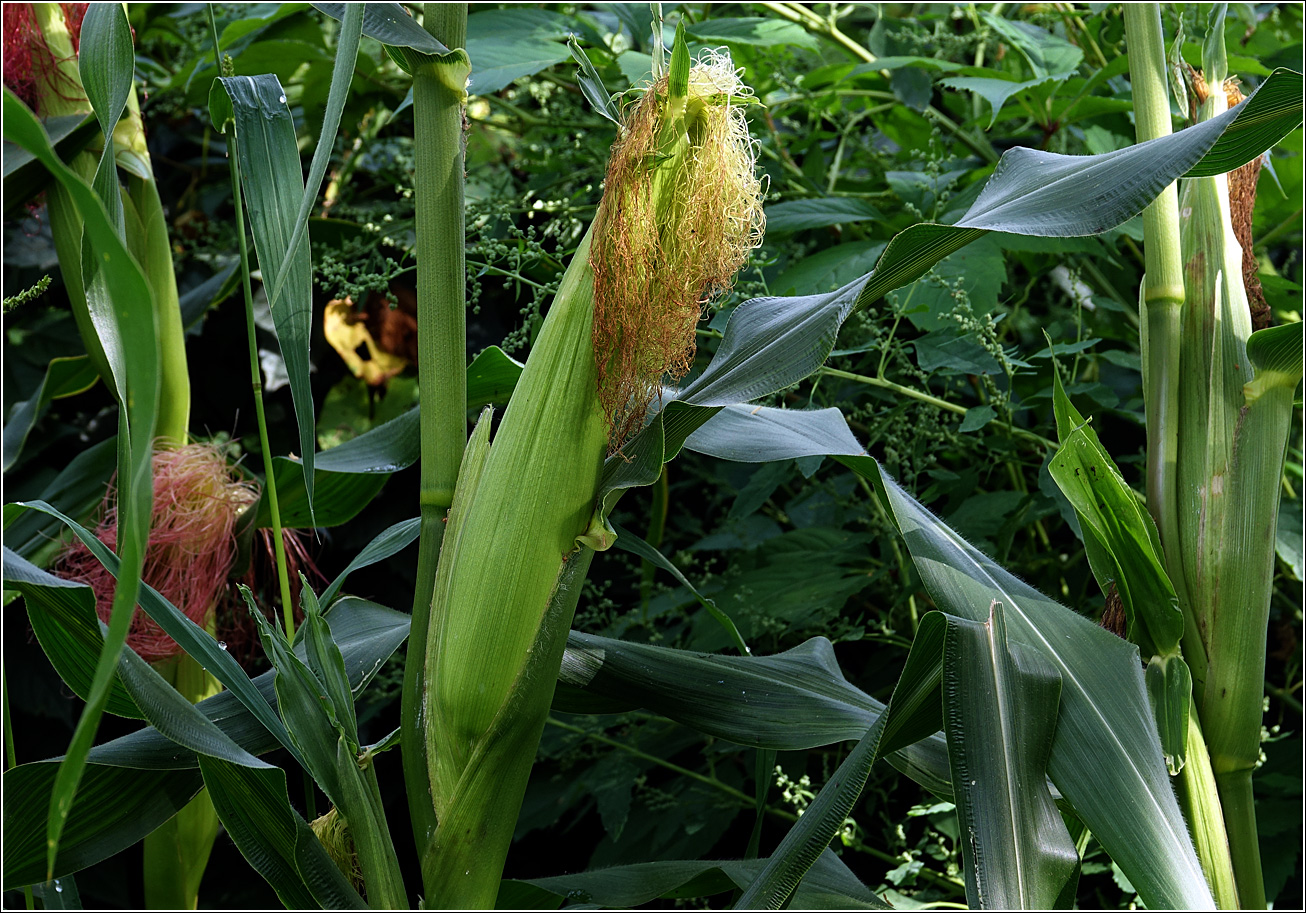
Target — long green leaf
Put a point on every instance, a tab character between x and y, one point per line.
273	183
829	885
628	541
1106	754
143	763
136	801
790	701
341	75
124	318
389	24
193	639
255	810
63	618
76	490
1107	743
1000	713
63	377
388	542
913	713
175	717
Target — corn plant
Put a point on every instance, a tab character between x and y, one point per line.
1023	713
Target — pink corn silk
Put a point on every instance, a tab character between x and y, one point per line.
191	548
26	54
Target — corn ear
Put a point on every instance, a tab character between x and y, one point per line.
1235	416
523	523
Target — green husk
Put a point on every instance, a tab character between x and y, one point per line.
1235	412
516	545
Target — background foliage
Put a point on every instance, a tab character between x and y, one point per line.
874	117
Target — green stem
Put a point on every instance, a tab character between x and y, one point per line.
1198	791
256	376
1239	805
442	356
177	853
931	400
1162	302
1161	306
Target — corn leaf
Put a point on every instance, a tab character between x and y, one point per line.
63	618
146	763
389	24
914	712
123	313
311	716
273	184
628	541
389	541
1106	754
115	807
1000	712
76	491
63	377
341	75
790	701
829	885
1107	745
255	810
193	639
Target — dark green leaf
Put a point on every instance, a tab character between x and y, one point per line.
193	639
64	377
1000	714
140	802
754	31
122	308
389	24
819	212
389	541
65	624
1106	754
255	810
389	16
591	84
830	885
273	184
792	700
632	543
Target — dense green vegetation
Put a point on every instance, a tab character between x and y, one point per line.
871	119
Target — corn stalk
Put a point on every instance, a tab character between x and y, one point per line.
439	97
1161	302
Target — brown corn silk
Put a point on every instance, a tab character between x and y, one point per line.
1242	200
677	221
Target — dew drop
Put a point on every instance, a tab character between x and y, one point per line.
222	645
282	99
58	888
